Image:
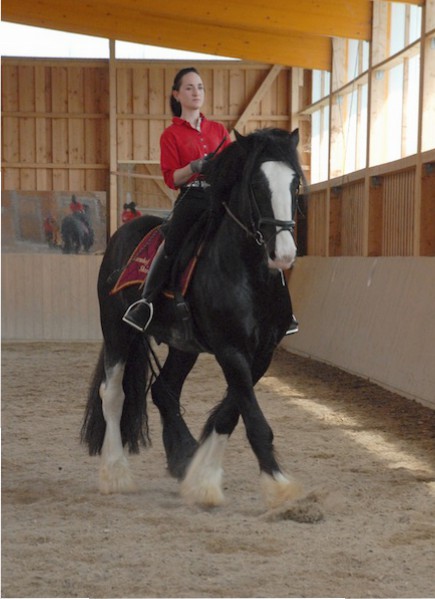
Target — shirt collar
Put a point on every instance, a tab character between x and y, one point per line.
176	120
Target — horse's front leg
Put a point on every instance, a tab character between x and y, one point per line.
203	480
115	475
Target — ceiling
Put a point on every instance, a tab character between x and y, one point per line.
286	32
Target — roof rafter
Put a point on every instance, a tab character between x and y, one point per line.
287	32
343	18
295	49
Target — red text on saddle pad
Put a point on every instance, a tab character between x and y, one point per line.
137	268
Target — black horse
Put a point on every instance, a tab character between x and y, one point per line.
77	233
240	310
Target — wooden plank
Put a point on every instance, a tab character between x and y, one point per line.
10	178
59	89
60	141
157	106
218	105
9	88
335	224
76	128
124	104
427	218
26	88
52	165
140	131
11	140
60	179
236	96
42	128
375	218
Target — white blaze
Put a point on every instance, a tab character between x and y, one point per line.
280	177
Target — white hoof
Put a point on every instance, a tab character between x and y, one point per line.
116	478
277	489
203	481
203	493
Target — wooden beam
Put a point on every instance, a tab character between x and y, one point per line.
258	96
112	208
346	18
297	49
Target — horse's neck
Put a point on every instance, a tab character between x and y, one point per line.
234	242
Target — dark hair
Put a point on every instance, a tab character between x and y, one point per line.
175	105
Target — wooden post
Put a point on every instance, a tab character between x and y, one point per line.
112	208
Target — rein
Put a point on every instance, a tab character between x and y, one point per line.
255	233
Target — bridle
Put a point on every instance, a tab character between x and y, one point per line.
255	224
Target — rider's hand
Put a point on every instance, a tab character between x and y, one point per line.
196	165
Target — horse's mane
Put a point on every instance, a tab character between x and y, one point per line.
236	163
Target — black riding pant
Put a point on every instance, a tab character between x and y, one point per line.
190	205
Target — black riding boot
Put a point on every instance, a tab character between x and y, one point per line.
140	314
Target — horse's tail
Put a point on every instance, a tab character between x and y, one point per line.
134	420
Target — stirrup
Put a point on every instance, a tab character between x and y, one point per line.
129	317
293	328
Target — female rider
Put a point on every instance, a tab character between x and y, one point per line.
184	146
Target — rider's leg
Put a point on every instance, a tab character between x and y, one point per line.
140	314
188	207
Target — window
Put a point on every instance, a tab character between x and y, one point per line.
349	129
394	81
319	144
321	85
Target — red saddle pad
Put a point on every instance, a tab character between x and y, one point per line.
138	266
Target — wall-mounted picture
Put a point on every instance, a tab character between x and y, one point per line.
67	222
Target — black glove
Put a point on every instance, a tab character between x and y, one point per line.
196	165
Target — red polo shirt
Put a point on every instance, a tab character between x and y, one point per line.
180	143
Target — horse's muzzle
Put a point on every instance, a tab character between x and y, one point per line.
284	254
281	264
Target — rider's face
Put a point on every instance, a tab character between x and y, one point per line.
191	92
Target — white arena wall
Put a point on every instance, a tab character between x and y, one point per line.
50	297
373	317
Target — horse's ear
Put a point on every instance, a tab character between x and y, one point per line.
241	139
294	138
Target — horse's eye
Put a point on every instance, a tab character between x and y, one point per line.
295	188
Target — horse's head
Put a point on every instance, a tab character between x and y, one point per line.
257	178
272	176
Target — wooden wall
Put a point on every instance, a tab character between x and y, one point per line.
54	133
384	211
50	297
56	120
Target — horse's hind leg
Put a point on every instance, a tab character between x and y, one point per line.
115	475
178	441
